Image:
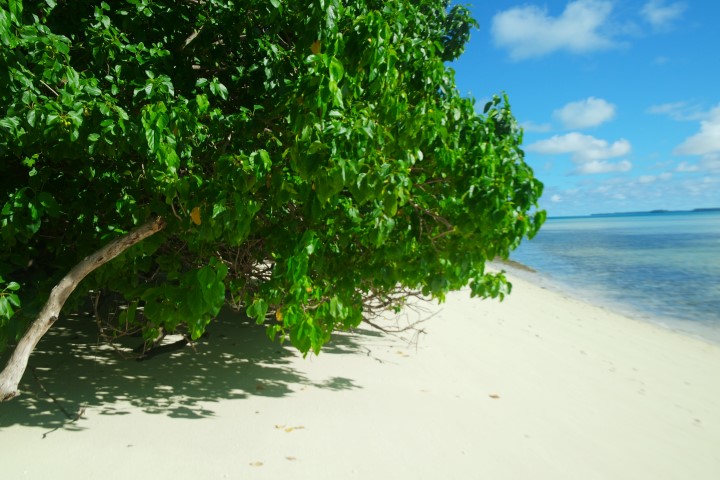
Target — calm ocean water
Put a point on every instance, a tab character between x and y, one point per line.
662	267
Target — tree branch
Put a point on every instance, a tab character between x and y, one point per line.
15	368
190	38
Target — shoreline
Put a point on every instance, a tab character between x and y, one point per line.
538	386
597	298
657	268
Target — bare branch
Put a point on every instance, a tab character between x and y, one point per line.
50	88
13	372
189	39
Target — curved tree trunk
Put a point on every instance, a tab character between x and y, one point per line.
16	365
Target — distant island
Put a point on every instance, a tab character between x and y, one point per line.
651	212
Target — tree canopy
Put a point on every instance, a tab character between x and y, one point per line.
306	158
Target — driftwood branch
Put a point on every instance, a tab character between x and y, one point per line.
15	368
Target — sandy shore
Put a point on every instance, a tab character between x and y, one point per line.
537	387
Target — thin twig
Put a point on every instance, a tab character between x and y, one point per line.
79	415
50	88
192	37
42	387
71	418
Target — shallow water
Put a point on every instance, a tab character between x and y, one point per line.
662	267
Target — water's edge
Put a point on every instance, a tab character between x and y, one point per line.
596	298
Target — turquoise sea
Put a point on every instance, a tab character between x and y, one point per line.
659	267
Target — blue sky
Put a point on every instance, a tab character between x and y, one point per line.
619	100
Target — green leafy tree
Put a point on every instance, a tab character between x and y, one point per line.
300	160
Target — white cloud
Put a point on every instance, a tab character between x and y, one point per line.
659	15
671	108
646	179
529	31
707	188
531	126
627	193
709	164
589	154
707	140
602	189
686	167
602	166
584	148
586	113
679	111
556	198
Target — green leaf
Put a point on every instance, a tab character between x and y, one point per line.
92	90
31	117
212	287
330	185
6	37
336	70
218	89
122	113
62	47
14	300
6	310
10	124
168	156
203	104
265	157
152	141
128	315
337	99
49	204
16	9
390	203
258	310
223	91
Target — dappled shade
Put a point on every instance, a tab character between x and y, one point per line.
235	362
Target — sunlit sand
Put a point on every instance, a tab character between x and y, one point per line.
539	386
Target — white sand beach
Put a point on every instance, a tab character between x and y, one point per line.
539	386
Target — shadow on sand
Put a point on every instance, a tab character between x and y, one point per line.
236	361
